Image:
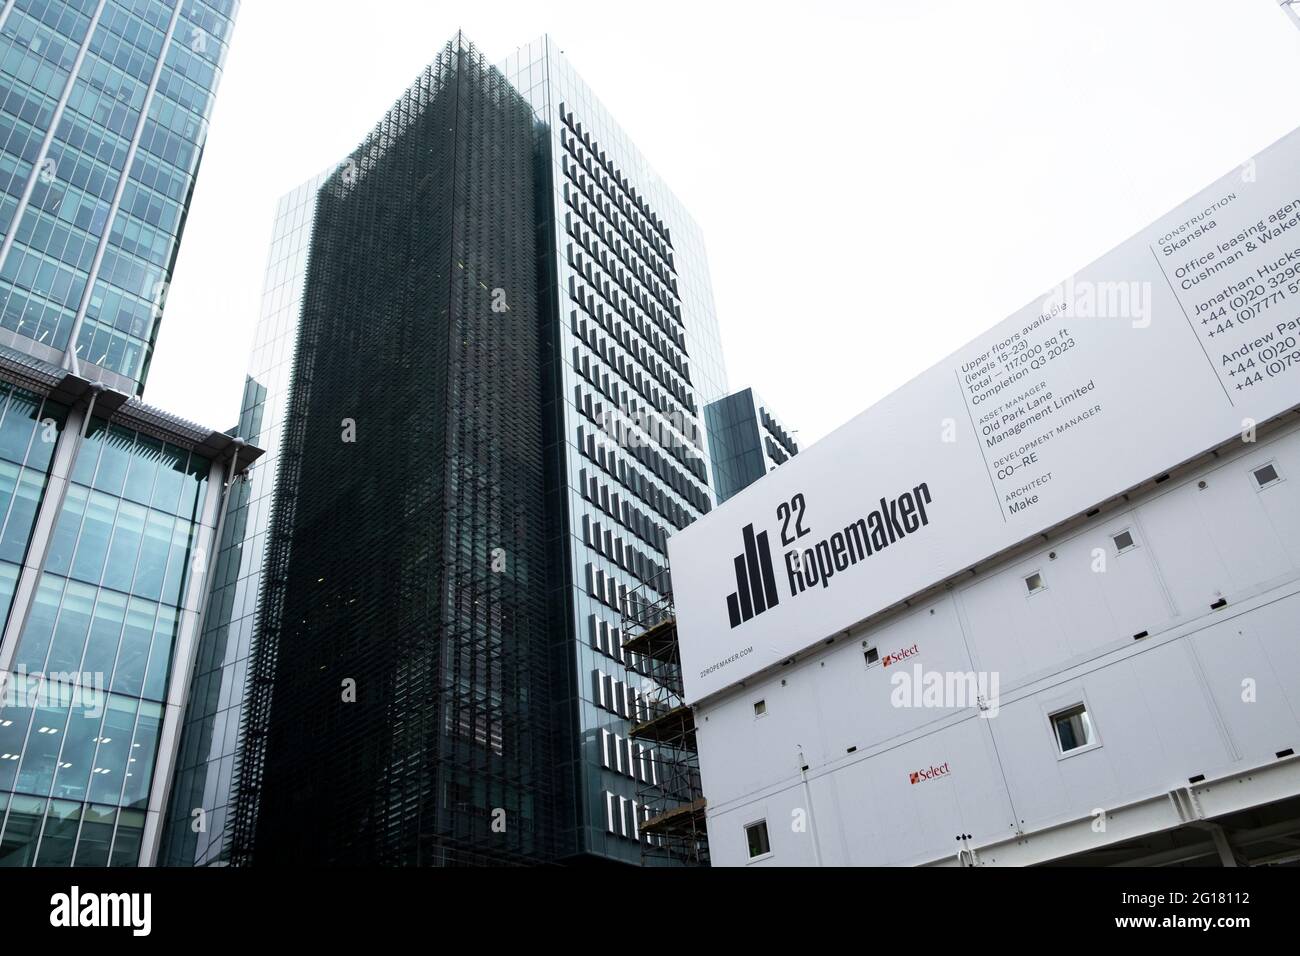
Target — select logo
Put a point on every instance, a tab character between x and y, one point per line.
920	776
755	581
899	656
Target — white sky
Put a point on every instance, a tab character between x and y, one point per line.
878	181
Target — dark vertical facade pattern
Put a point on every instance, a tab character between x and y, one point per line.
410	560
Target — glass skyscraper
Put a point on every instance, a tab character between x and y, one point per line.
400	682
104	108
424	739
486	344
747	441
108	508
635	356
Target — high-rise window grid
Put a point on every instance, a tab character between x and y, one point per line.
103	113
81	723
637	345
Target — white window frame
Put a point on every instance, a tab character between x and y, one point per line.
766	829
1059	706
1024	582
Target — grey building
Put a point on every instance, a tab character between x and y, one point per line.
514	694
109	506
746	440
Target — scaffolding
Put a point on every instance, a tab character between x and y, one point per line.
674	829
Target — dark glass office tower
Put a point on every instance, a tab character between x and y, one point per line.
523	344
397	701
104	108
746	440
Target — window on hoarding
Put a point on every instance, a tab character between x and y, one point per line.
1073	728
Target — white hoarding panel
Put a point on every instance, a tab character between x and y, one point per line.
1174	342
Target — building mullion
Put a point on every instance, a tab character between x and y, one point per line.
221	478
4	14
56	490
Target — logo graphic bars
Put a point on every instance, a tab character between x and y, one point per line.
755	582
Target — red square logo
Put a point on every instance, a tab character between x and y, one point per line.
916	777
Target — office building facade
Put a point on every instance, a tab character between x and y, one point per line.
201	816
746	441
110	511
401	668
104	114
110	505
544	379
635	357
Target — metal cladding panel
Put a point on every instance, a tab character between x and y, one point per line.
871	813
1181	681
1175	342
1021	635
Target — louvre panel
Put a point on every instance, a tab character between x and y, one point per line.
410	560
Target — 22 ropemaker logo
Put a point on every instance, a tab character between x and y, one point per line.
755	582
808	566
